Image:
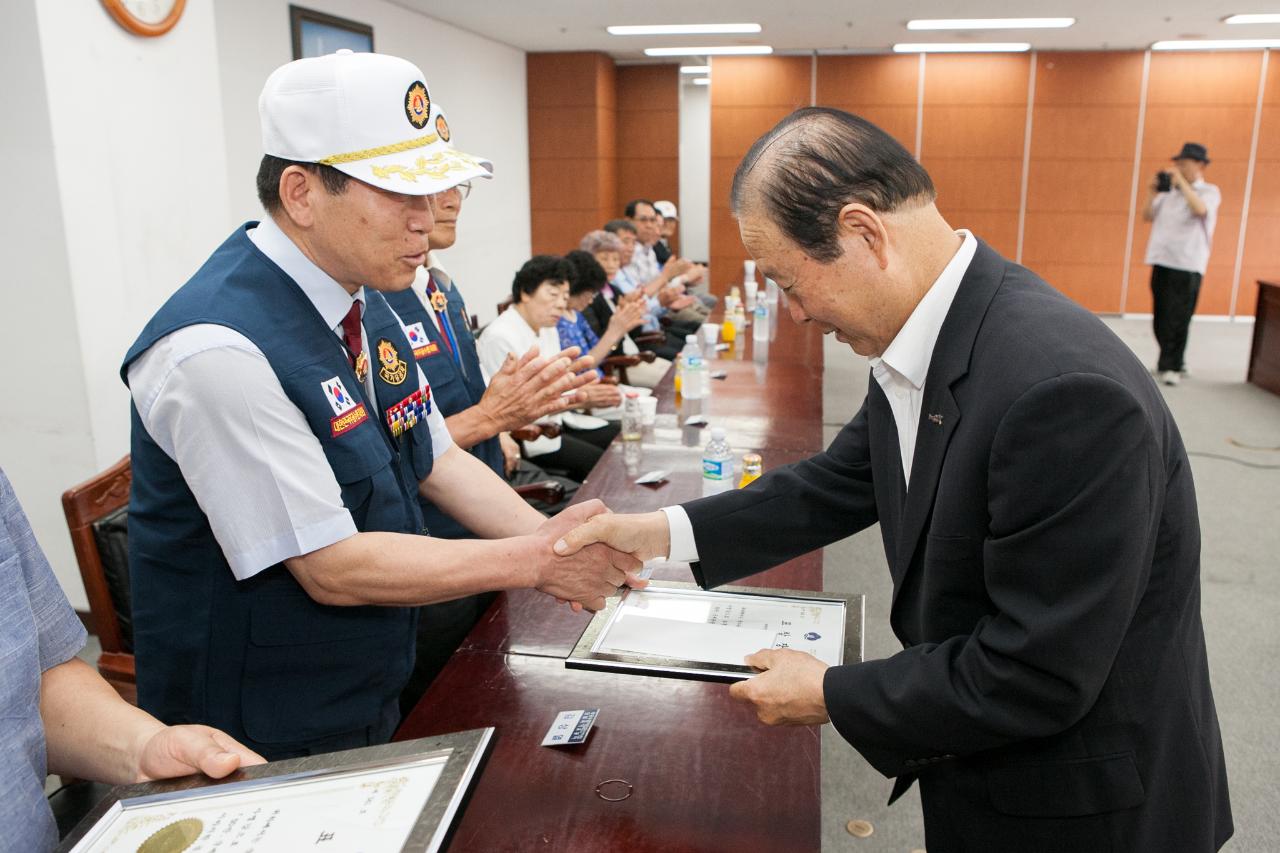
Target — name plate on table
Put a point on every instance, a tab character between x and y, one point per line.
395	797
678	630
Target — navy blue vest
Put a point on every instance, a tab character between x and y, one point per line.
452	391
259	658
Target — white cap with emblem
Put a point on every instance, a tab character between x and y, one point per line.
368	115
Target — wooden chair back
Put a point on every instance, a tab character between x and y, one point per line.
94	509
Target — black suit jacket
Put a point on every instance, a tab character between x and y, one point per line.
1053	691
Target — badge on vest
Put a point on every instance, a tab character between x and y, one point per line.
349	413
394	370
405	415
439	301
422	347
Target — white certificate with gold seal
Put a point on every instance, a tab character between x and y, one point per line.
397	797
677	629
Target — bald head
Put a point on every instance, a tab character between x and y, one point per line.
815	161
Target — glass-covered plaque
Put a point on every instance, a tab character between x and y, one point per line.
396	797
679	630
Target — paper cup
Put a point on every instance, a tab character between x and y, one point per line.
648	410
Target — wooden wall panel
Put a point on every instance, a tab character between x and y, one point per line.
1208	98
882	89
1079	180
974	122
572	146
1262	236
648	133
748	96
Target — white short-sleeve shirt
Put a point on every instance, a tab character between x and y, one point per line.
509	334
208	397
1179	239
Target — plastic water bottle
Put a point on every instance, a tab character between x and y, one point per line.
632	418
717	464
691	380
760	326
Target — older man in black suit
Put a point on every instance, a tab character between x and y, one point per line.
1037	510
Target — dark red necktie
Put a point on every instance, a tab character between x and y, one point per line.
351	332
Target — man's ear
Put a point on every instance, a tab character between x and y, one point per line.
860	222
297	192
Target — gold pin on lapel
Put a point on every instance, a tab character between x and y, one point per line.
937	419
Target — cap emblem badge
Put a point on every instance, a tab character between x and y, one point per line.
417	104
442	128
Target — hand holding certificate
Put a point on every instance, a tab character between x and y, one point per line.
788	690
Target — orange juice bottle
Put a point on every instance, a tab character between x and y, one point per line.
728	331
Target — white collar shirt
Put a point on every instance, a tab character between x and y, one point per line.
903	367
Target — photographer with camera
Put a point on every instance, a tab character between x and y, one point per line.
1183	210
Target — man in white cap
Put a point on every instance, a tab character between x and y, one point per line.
668	219
282	434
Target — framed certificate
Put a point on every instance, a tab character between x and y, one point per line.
678	630
396	797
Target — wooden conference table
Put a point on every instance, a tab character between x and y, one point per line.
697	771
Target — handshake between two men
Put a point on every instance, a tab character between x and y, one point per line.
789	687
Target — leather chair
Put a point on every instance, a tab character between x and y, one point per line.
97	518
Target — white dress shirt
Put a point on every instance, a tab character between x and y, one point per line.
1180	240
900	371
208	397
510	334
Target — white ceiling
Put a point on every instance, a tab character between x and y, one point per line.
828	25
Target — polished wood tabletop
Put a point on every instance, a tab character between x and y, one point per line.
697	771
671	765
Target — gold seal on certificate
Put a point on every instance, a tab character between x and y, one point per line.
174	838
392	798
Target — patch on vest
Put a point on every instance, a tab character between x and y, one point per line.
348	412
422	347
394	370
336	393
345	423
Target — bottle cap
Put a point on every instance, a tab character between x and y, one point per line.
717	434
690	339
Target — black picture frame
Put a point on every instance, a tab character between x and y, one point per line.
306	24
464	752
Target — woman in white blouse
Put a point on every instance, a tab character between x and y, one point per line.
540	295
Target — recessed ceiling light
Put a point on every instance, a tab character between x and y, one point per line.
952	47
702	81
695	69
683	29
989	23
723	50
1215	44
1252	19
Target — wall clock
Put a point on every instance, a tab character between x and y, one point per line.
146	17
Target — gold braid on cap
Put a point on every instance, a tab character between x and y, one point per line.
407	145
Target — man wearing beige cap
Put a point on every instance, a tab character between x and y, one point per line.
282	434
